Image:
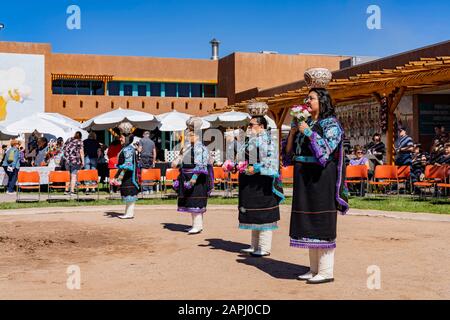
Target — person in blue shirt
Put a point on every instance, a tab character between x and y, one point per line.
404	147
11	165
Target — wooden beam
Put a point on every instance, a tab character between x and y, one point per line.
393	101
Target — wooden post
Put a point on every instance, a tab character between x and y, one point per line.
393	99
280	116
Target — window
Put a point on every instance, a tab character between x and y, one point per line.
113	88
210	91
183	90
155	89
142	90
127	90
69	87
57	87
97	88
171	90
196	90
83	88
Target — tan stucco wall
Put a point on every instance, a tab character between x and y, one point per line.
85	107
143	68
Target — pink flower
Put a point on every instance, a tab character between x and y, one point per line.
228	166
301	112
242	166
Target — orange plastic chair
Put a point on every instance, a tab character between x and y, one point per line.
112	174
446	184
84	176
404	175
287	175
433	175
58	178
385	176
357	174
234	178
28	180
150	177
219	175
171	175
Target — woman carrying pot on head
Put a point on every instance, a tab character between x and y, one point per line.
196	179
319	191
260	190
126	175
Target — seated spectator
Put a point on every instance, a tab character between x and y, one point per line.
418	164
377	148
403	148
360	158
445	158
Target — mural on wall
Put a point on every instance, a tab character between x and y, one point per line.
22	86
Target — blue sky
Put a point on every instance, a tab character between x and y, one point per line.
183	28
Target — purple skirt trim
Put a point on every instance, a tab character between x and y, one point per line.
312	245
191	210
195	171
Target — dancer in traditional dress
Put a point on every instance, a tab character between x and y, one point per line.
319	190
260	190
127	171
196	179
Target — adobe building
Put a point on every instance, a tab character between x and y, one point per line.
82	86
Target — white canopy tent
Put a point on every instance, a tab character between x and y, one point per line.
6	135
139	119
176	121
49	125
57	117
230	119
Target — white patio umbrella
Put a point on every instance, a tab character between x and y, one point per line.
139	119
6	135
40	123
60	118
176	121
231	119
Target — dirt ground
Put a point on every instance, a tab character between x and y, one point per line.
151	257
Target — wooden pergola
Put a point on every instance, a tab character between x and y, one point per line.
390	83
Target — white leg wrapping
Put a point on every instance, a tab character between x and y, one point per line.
265	241
197	223
255	239
255	243
326	263
326	266
314	265
314	261
129	210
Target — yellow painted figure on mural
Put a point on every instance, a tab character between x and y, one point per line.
12	88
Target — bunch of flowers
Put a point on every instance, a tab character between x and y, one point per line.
228	166
301	112
242	166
